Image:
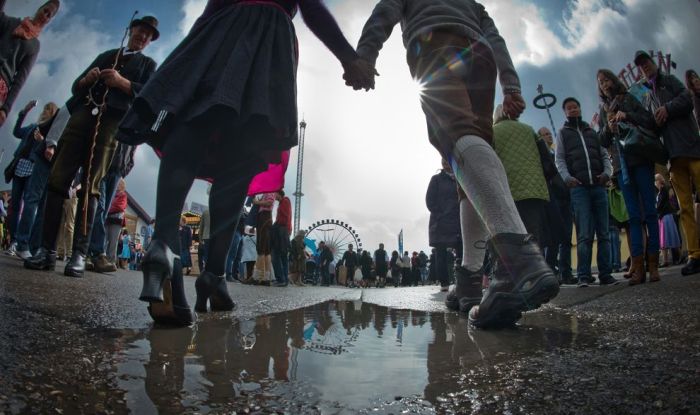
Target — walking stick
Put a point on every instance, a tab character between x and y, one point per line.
99	111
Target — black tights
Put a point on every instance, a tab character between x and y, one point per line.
184	153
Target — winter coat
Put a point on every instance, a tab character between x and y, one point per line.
442	201
579	153
637	115
680	132
516	146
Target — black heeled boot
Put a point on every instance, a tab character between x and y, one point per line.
157	266
44	260
173	310
212	288
81	239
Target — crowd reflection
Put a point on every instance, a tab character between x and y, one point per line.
218	359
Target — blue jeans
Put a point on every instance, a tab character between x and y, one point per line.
280	263
615	254
18	186
640	199
233	253
34	195
591	215
98	239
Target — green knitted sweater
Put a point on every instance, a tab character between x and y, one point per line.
516	146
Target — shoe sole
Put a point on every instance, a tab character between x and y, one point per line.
505	309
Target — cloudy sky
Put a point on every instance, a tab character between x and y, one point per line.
368	161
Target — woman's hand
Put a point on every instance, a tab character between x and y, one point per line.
359	74
38	136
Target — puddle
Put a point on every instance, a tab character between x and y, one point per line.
335	357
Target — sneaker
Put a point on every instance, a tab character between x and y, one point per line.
692	267
24	254
521	281
467	292
585	281
607	280
569	280
103	264
582	284
12	250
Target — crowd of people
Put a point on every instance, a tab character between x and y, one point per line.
503	205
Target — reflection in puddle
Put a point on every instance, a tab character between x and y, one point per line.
334	357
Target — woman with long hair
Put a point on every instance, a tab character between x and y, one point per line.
19	47
31	170
222	106
636	173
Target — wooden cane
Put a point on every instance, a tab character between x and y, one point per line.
100	111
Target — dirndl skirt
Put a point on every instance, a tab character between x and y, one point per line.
669	233
241	62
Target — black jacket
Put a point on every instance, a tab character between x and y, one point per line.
637	115
663	203
137	68
17	57
583	153
680	133
442	201
350	259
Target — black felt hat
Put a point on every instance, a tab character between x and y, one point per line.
639	56
150	22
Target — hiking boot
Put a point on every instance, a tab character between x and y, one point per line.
692	267
466	292
522	281
44	260
102	264
76	266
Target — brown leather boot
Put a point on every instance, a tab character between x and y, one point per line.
653	263
630	271
639	276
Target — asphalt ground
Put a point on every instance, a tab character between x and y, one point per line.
638	351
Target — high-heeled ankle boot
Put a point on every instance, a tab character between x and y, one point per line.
173	310
81	239
157	266
213	289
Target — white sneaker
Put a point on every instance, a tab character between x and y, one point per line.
12	250
24	254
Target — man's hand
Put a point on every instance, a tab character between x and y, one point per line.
603	179
38	136
49	152
572	182
359	74
661	116
91	77
114	79
513	105
3	117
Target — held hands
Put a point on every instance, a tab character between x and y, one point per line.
661	116
513	105
359	74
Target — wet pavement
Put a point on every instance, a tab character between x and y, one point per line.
87	346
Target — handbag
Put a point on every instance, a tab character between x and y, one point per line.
10	170
642	142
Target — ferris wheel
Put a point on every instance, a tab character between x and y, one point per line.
336	234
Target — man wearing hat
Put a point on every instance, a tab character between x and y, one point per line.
121	83
672	106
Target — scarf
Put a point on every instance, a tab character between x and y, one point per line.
27	29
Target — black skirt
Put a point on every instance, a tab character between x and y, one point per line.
241	62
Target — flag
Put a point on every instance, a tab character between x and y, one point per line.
401	242
272	179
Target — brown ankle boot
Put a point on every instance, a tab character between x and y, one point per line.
653	263
638	276
630	271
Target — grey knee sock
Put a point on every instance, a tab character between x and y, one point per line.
481	174
474	235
